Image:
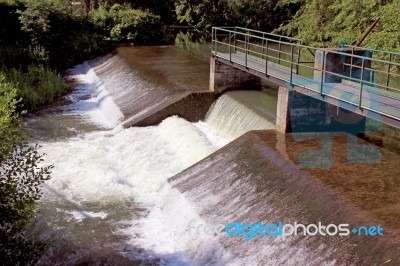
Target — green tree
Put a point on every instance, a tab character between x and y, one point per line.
265	15
202	14
386	36
123	24
257	14
10	124
309	23
328	22
21	178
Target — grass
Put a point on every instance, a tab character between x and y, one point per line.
37	86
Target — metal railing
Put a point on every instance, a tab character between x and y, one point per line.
388	56
270	53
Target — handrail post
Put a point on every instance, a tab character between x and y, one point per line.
291	65
266	57
351	62
230	52
388	71
322	72
298	58
362	82
262	45
279	49
212	41
216	42
246	40
234	41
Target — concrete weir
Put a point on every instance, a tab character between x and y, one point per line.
260	176
192	106
257	178
147	90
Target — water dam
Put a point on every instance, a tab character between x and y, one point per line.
129	191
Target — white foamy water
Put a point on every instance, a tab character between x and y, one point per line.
237	112
117	179
80	215
130	165
91	98
110	201
133	162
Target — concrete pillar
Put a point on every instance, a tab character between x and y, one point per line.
282	112
225	77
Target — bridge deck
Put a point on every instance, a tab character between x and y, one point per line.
363	96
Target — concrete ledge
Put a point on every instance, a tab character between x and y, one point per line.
249	180
225	77
190	106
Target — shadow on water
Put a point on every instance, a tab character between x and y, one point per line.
89	249
83	234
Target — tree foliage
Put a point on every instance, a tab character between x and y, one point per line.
10	123
329	22
123	24
21	178
257	14
387	34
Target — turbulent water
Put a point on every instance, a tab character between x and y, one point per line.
144	195
238	112
107	178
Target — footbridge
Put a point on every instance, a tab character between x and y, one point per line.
352	81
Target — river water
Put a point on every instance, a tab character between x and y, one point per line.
106	176
110	201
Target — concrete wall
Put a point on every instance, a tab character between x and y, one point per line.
192	107
224	77
271	187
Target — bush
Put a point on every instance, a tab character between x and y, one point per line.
50	33
10	124
37	87
20	187
66	39
127	25
21	177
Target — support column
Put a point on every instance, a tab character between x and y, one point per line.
225	77
282	112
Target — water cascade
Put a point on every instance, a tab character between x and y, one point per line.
132	195
237	112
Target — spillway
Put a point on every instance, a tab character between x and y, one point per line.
249	180
123	196
237	112
122	92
